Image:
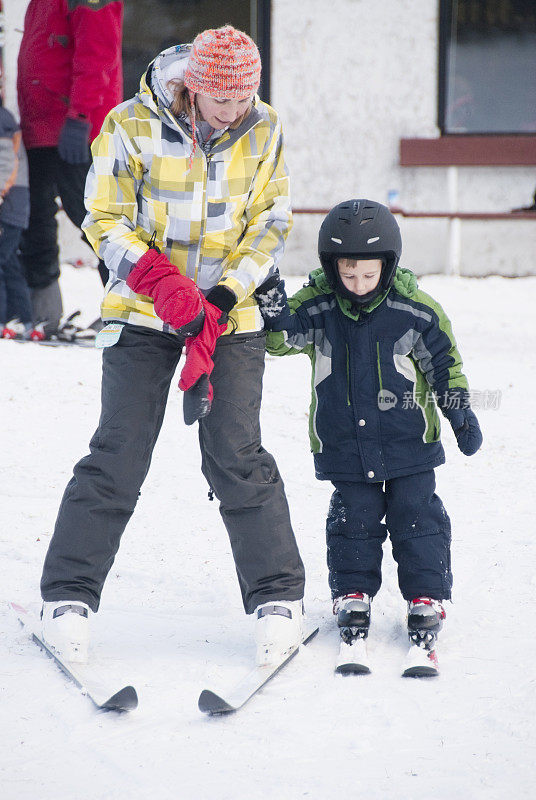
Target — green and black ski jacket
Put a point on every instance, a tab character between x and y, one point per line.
378	375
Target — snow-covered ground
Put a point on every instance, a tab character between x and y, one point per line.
172	622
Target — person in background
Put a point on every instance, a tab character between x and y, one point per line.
188	205
69	77
383	357
15	302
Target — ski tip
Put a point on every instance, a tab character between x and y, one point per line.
420	671
352	669
124	700
211	703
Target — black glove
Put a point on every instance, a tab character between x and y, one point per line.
197	401
222	298
73	146
272	299
456	408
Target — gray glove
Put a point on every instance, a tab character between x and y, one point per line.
73	146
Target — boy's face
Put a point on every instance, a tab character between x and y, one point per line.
359	275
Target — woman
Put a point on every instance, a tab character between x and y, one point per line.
188	206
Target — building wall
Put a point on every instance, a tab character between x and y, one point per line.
350	78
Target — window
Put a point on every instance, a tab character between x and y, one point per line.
487	66
152	25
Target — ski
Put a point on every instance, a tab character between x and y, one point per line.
353	658
125	699
421	662
68	333
212	703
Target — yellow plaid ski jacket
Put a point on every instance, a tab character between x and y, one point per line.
224	221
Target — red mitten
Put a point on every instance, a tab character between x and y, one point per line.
199	351
177	300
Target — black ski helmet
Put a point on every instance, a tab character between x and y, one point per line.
360	229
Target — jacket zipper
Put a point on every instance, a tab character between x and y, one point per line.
348	375
379	365
203	213
204	205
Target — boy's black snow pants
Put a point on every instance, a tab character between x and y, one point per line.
417	523
100	498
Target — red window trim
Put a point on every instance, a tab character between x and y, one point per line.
469	151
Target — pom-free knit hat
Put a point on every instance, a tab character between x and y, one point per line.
224	63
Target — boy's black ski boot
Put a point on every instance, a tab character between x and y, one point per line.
353	619
425	620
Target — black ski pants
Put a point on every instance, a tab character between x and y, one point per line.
51	177
417	523
100	498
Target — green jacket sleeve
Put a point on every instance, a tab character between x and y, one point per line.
437	352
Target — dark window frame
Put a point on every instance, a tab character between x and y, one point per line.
445	23
263	39
445	32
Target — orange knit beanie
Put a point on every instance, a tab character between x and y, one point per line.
224	63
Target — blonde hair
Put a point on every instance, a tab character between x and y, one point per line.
181	103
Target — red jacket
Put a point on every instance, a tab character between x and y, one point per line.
69	65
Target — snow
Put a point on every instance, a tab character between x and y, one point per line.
172	623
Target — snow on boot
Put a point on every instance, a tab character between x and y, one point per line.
353	619
278	630
425	620
65	627
421	662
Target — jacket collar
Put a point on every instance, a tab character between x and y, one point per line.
405	283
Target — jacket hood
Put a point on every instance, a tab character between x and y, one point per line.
155	94
405	283
168	65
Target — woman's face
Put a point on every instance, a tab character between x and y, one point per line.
221	113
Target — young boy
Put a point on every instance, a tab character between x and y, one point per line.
383	358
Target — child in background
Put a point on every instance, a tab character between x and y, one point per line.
15	302
383	358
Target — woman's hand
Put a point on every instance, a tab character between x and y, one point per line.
176	298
